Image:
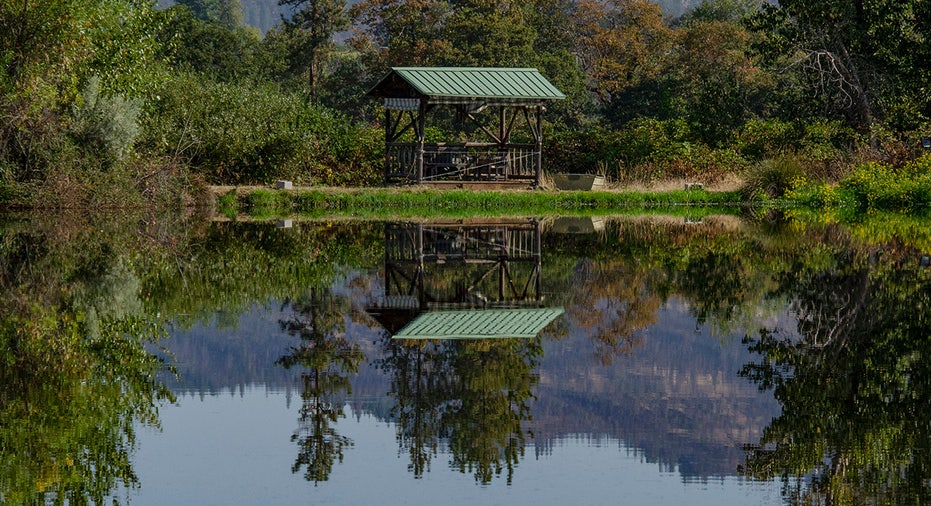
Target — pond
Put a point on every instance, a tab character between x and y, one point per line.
704	359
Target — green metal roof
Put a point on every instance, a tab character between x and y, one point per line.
479	324
470	83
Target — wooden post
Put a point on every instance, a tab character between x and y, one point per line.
503	140
387	143
419	132
538	148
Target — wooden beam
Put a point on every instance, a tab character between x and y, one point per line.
395	135
534	129
502	131
510	128
484	129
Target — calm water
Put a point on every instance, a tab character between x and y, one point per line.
664	360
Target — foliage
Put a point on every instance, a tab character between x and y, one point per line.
77	377
874	186
759	138
774	177
621	43
650	96
227	13
47	49
310	29
327	360
850	381
645	151
474	394
723	10
226	53
235	133
105	125
231	266
854	358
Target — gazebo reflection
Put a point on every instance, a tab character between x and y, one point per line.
464	306
488	268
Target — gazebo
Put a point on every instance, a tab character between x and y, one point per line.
517	97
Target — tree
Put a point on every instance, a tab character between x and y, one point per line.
311	29
489	34
860	60
401	32
735	11
620	44
715	85
225	53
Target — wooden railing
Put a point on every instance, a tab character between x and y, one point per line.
449	161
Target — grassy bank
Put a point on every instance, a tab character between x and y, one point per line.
401	202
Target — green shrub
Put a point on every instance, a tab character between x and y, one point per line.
825	139
580	151
875	185
773	177
254	133
105	126
762	138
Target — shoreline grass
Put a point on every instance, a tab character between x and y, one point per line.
385	202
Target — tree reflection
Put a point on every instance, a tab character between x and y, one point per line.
75	374
328	359
612	302
855	382
472	395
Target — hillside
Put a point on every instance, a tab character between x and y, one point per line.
265	14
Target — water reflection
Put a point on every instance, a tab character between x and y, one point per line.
462	379
853	382
462	265
832	394
75	376
327	361
471	396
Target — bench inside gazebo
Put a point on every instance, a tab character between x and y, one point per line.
516	96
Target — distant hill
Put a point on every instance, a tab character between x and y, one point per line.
676	8
261	14
265	14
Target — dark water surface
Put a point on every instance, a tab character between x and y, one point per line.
663	360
